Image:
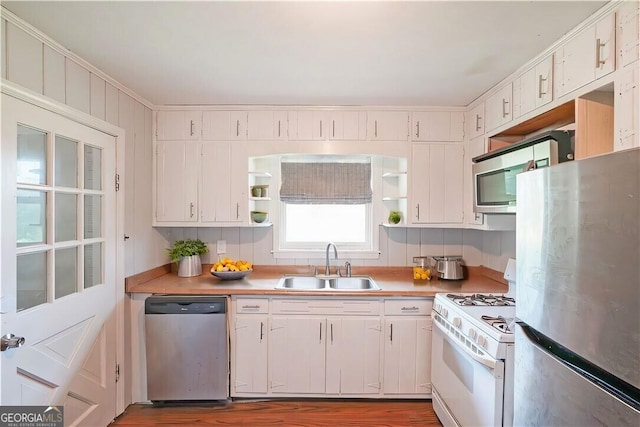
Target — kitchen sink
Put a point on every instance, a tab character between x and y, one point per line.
328	283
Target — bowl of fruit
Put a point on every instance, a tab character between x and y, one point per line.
229	269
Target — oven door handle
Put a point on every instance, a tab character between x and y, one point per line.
487	361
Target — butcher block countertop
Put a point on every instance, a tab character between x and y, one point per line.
393	281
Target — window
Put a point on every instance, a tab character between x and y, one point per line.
326	198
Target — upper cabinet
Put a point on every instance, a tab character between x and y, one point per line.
348	125
178	125
437	126
498	107
388	125
224	125
627	104
267	125
308	125
588	56
628	32
476	121
533	89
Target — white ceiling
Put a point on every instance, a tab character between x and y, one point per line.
437	53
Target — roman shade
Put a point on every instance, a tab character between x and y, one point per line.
345	183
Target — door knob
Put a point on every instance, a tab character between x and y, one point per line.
11	341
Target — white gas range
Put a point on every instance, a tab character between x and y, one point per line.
472	359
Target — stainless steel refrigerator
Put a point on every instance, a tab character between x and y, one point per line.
577	342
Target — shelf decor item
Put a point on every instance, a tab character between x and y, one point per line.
258	217
395	217
187	254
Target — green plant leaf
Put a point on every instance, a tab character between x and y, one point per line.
187	247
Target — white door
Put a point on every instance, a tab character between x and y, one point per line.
58	264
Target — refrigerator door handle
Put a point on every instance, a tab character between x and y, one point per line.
480	358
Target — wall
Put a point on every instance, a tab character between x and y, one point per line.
398	245
32	60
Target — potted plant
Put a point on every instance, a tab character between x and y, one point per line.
395	217
187	254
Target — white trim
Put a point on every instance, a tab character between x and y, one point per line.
63	110
48	41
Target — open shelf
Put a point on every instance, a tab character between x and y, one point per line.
258	174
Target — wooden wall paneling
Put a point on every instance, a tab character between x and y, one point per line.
126	113
24	59
77	86
111	104
98	97
54	74
3	48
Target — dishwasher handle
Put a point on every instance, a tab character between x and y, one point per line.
185	305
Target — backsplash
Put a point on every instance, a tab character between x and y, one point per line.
398	245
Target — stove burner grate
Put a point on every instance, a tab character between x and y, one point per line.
482	299
500	323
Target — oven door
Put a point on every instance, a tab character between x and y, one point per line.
468	387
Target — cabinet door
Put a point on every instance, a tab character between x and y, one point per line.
388	125
216	125
407	355
178	125
420	185
221	195
544	82
297	354
250	354
353	355
348	125
628	33
627	110
266	125
605	34
476	121
440	126
498	107
309	125
177	181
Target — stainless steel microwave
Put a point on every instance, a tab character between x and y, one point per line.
494	173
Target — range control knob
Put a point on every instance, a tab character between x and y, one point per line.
444	312
482	341
457	322
472	333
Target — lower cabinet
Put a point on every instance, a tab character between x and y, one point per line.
325	347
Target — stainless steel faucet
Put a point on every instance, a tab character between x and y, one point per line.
327	271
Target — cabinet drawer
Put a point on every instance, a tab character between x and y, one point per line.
252	305
325	306
407	307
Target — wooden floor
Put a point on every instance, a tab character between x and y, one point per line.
337	413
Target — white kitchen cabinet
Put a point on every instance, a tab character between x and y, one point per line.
499	108
627	109
178	125
267	125
348	125
249	343
628	33
388	125
308	125
586	57
476	121
353	355
224	125
177	173
297	361
533	89
437	183
407	347
223	182
437	126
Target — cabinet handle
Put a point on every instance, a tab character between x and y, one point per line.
320	331
191	210
599	46
478	122
261	331
391	333
375	128
237	210
418	211
417	129
332	333
505	102
333	128
191	128
238	127
541	80
320	129
278	128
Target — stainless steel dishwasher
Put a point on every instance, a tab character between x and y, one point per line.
187	348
